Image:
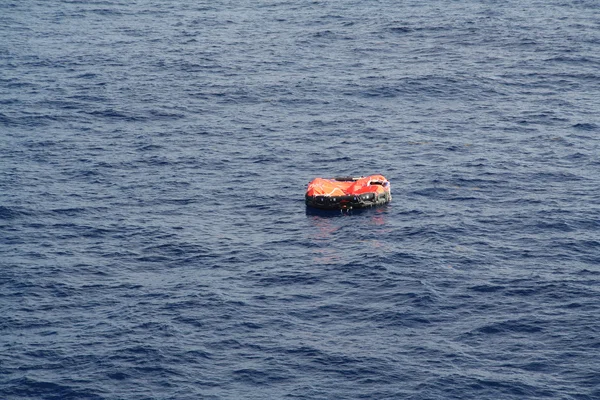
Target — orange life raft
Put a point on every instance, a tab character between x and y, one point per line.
348	192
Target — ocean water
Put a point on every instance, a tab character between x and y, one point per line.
154	242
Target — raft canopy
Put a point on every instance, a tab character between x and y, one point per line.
348	192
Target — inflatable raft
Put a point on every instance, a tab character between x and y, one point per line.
347	193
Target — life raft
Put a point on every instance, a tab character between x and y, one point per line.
346	193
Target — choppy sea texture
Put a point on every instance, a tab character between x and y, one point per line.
154	242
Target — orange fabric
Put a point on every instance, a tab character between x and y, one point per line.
331	187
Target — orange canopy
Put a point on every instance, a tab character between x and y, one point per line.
333	187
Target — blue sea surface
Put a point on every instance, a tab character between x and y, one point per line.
155	244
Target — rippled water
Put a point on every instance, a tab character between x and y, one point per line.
154	241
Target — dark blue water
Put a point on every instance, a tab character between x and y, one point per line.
154	242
